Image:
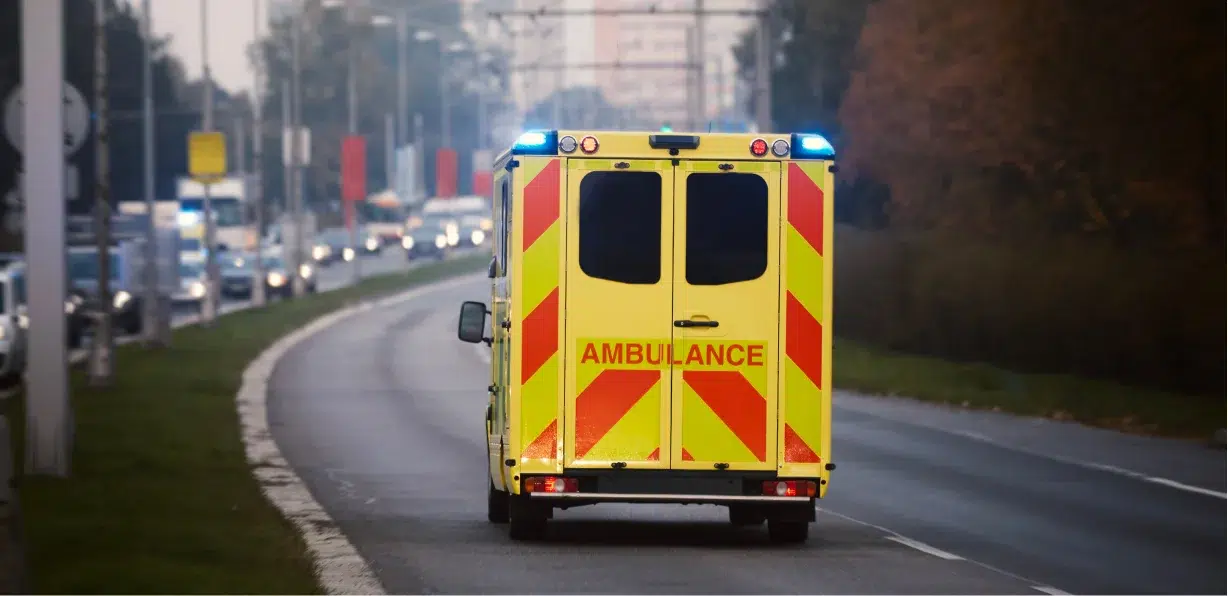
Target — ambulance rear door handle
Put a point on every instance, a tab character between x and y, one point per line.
690	323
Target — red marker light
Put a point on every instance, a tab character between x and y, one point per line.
758	147
589	145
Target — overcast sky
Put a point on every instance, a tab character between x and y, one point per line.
230	33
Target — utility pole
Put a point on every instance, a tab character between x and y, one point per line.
210	303
48	409
296	115
701	59
257	183
155	315
390	151
402	78
699	12
101	366
287	162
352	97
763	75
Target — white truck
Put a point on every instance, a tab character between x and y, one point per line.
228	201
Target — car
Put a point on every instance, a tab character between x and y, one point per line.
430	237
192	286
239	271
83	282
475	229
332	245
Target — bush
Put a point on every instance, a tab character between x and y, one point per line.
1059	306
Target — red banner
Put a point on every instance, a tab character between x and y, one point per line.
353	168
445	172
482	182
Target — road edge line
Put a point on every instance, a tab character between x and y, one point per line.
339	568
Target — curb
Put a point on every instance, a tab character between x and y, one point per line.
339	567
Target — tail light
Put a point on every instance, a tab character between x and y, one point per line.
758	147
551	484
789	488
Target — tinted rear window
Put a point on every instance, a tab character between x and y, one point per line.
620	226
726	228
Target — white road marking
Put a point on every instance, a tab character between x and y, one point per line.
921	546
1050	590
925	548
339	566
1092	465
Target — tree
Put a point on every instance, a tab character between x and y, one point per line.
125	48
326	39
813	43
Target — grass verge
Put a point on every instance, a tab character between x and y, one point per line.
161	499
858	367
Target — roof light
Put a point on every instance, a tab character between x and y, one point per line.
531	139
667	128
812	147
537	142
568	144
758	147
589	145
780	148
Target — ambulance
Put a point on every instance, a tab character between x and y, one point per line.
659	326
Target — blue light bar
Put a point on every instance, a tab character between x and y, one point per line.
812	147
537	142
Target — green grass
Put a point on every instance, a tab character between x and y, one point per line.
861	368
161	499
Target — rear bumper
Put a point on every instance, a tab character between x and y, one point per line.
677	499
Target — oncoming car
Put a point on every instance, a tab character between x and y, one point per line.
660	326
430	237
238	275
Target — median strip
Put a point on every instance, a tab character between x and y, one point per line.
162	497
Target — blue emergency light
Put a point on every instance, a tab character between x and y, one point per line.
537	142
809	146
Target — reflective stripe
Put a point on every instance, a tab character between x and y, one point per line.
537	301
805	304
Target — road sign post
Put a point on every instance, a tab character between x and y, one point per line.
207	165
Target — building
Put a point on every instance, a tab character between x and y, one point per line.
668	92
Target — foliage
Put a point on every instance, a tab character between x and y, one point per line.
1044	186
325	42
125	55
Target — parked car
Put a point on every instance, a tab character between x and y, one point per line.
83	279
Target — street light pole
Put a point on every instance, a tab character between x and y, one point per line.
296	117
101	367
209	306
351	206
152	321
402	78
257	182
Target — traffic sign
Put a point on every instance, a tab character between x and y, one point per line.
76	119
207	156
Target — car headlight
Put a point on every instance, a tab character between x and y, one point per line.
407	242
305	271
441	241
197	289
372	243
453	238
4	332
487	225
451	229
276	279
348	254
319	252
70	307
121	298
477	236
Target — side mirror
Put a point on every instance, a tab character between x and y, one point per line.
492	271
472	325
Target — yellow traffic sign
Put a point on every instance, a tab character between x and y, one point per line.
207	156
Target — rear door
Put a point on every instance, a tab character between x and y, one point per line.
619	313
726	313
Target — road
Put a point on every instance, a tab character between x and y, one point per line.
382	418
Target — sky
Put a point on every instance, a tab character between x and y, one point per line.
230	33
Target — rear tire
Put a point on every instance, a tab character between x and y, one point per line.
526	520
788	532
496	504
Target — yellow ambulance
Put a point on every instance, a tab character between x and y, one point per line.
660	325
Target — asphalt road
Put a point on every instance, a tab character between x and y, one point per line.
382	417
